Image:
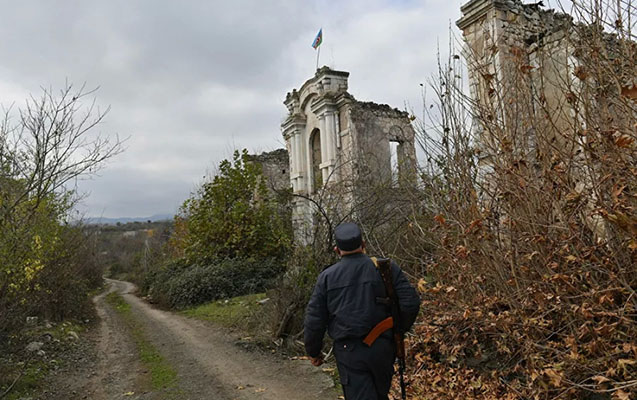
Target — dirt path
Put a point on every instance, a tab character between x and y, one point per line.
103	365
208	364
119	371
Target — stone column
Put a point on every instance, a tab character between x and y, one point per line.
309	182
298	158
294	165
329	134
324	140
337	120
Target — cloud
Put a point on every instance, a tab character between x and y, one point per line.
190	81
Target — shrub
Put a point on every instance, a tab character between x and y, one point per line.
232	215
180	285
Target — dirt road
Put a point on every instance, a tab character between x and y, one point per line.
208	364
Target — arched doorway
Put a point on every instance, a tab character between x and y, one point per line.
315	151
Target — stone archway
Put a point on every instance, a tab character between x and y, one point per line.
316	159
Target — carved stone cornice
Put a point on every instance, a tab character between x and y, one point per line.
293	123
477	9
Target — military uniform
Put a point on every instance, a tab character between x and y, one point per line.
345	302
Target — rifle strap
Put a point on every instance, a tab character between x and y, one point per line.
382	326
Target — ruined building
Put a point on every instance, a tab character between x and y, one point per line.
547	93
529	70
338	146
518	58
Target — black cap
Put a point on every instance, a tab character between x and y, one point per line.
348	236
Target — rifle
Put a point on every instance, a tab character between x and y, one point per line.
394	322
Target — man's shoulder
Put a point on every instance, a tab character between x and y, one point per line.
346	266
330	269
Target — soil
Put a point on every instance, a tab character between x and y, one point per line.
208	363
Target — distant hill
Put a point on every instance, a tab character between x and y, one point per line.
124	220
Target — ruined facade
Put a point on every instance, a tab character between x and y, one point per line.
546	91
528	65
519	58
337	142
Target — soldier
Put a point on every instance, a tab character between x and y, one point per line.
346	302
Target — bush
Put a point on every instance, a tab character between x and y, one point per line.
232	215
180	285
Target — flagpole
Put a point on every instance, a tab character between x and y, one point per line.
316	44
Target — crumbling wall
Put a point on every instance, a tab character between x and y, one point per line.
520	58
539	80
276	169
373	127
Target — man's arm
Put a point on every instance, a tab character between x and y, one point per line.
407	298
316	318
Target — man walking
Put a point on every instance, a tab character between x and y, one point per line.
347	301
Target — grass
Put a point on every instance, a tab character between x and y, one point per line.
162	375
28	382
236	312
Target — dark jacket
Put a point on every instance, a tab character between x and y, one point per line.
344	302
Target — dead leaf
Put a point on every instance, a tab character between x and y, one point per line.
526	68
606	298
477	223
617	191
624	141
621	395
440	219
461	251
580	73
600	379
554	376
571	258
422	285
630	92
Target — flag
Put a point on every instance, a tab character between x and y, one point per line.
318	39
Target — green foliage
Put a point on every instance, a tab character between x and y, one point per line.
237	312
46	265
230	239
180	285
234	216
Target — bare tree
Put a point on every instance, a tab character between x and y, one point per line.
52	144
44	149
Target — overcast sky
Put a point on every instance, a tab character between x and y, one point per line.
189	81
